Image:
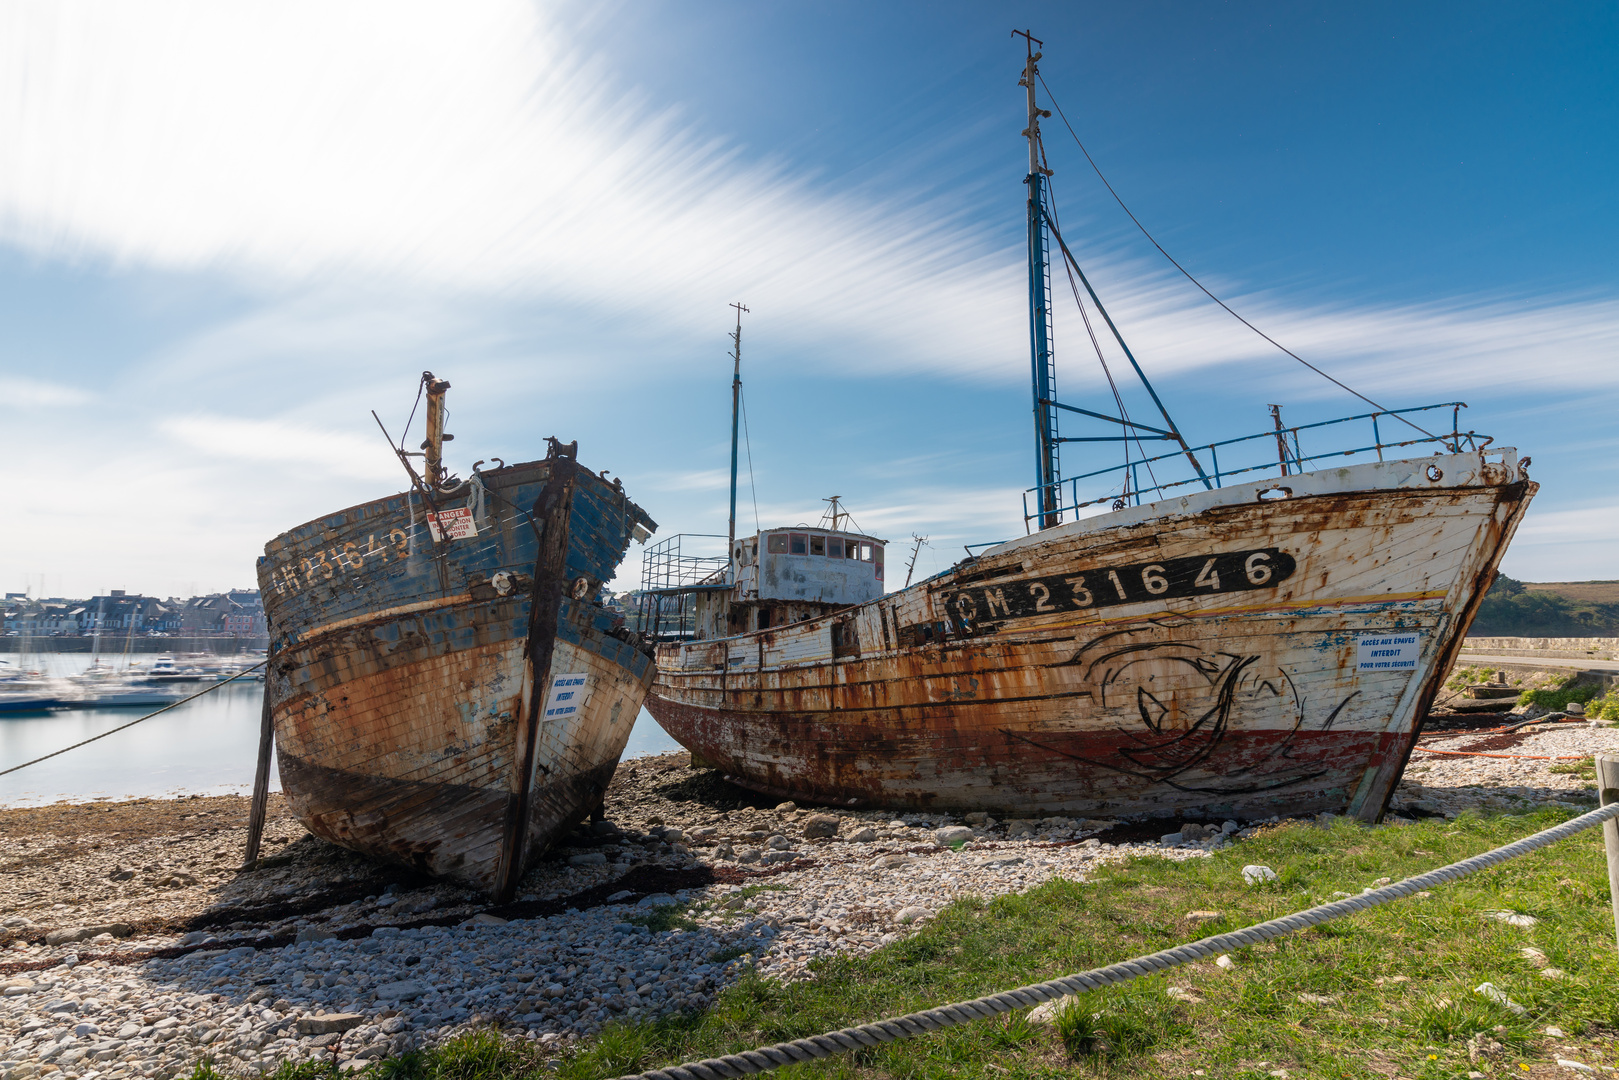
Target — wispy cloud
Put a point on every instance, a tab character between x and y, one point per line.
463	150
284	444
470	151
19	392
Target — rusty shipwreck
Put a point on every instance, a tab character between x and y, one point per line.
444	687
1262	635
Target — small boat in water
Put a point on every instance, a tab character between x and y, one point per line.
445	687
1259	639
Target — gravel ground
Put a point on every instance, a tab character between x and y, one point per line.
1440	784
131	945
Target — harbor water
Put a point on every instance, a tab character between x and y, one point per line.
205	747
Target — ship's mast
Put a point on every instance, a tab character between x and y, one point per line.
1046	474
736	409
434	444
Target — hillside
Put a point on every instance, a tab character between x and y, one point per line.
1515	608
1581	592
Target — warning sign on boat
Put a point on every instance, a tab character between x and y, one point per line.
452	524
1387	652
567	695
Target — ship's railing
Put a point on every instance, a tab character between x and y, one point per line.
670	571
1283	448
684	560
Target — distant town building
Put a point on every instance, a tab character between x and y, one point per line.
235	614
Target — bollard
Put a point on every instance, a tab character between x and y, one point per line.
1608	792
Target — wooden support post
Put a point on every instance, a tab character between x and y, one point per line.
261	781
1608	792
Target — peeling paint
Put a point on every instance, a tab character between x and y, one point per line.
1183	692
402	683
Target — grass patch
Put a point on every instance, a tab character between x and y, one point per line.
1384	993
476	1055
1604	708
1585	768
1561	695
664	918
1463	677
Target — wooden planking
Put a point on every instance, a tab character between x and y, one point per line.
1006	713
397	671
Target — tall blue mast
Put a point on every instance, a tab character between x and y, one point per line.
736	409
1046	470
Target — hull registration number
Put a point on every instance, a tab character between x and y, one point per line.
1110	586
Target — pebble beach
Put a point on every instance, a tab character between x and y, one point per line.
133	944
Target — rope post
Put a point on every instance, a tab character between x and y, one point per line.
1608	792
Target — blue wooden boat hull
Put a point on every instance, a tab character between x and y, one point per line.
453	698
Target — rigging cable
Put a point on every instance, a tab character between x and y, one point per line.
1052	97
1097	345
412	416
742	398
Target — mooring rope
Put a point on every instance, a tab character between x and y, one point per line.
767	1058
132	723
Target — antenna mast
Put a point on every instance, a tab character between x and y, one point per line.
1046	475
837	512
910	567
736	409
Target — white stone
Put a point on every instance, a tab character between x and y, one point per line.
952	835
1224	961
1513	918
1253	874
1046	1012
1497	995
401	991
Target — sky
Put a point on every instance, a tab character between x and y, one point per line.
228	232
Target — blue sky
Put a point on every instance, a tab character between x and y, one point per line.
227	234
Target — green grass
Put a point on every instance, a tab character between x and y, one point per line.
1606	708
476	1055
1558	698
1463	677
1359	1022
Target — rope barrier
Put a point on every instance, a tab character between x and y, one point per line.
132	723
767	1058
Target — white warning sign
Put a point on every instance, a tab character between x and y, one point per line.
567	696
1387	652
454	524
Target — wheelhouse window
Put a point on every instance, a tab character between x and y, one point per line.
834	547
877	557
865	552
817	545
798	543
777	544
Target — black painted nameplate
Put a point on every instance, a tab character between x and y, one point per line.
1109	586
